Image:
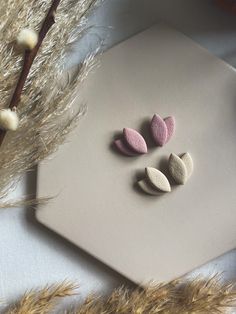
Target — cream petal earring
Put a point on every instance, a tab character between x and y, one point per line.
155	182
147	188
180	168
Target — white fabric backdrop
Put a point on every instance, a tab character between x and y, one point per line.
30	255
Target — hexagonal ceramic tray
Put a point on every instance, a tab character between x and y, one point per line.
98	206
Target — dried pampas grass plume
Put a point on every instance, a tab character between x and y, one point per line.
47	110
200	296
42	301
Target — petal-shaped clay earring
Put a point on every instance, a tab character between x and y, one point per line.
162	130
123	148
180	168
135	141
132	143
147	188
155	182
170	124
157	179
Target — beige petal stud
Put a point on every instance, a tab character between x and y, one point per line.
157	179
177	169
188	161
180	168
147	188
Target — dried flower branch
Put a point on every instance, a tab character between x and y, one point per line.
29	57
47	109
31	54
199	296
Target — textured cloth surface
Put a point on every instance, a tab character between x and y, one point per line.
31	256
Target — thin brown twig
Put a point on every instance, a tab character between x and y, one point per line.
29	59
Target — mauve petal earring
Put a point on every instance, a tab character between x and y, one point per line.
123	148
162	129
170	124
132	143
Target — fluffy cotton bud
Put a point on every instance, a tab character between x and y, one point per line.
9	119
27	38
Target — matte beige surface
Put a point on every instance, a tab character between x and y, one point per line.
99	208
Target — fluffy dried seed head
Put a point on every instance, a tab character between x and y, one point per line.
27	38
9	119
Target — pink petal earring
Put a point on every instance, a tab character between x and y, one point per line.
162	129
132	143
